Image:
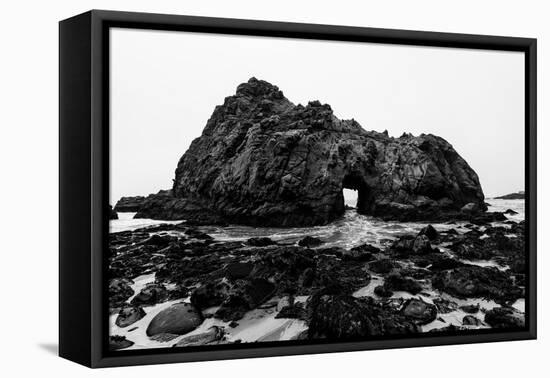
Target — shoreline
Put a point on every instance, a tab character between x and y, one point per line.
359	284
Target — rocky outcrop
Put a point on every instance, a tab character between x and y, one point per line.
129	204
262	160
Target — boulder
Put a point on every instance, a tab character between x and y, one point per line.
397	282
117	342
470	309
238	270
505	317
477	282
178	319
470	320
129	315
210	294
430	232
419	311
263	161
343	316
213	335
119	291
246	296
381	291
382	266
151	294
411	245
310	241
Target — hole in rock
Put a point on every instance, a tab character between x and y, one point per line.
355	193
350	197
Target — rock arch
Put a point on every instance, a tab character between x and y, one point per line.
264	161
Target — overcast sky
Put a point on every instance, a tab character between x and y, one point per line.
165	85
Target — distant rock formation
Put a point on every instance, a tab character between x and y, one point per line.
513	196
263	161
129	204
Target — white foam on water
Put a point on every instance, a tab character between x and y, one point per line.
126	222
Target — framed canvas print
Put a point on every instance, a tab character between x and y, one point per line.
236	188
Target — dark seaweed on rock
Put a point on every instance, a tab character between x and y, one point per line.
262	160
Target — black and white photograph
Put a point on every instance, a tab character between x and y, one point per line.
266	190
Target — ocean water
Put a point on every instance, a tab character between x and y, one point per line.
351	230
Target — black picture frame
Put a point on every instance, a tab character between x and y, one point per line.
84	181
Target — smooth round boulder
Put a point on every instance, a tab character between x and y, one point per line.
178	319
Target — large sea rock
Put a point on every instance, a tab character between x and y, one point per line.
262	160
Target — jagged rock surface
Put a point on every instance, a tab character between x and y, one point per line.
262	160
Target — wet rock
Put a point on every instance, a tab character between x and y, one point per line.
410	245
117	342
396	282
260	242
470	208
342	317
119	291
470	320
159	240
178	319
421	245
381	291
382	266
367	248
212	336
419	311
245	297
293	311
505	317
357	255
488	217
306	278
238	270
151	294
430	232
477	282
470	309
210	294
129	315
196	234
310	241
